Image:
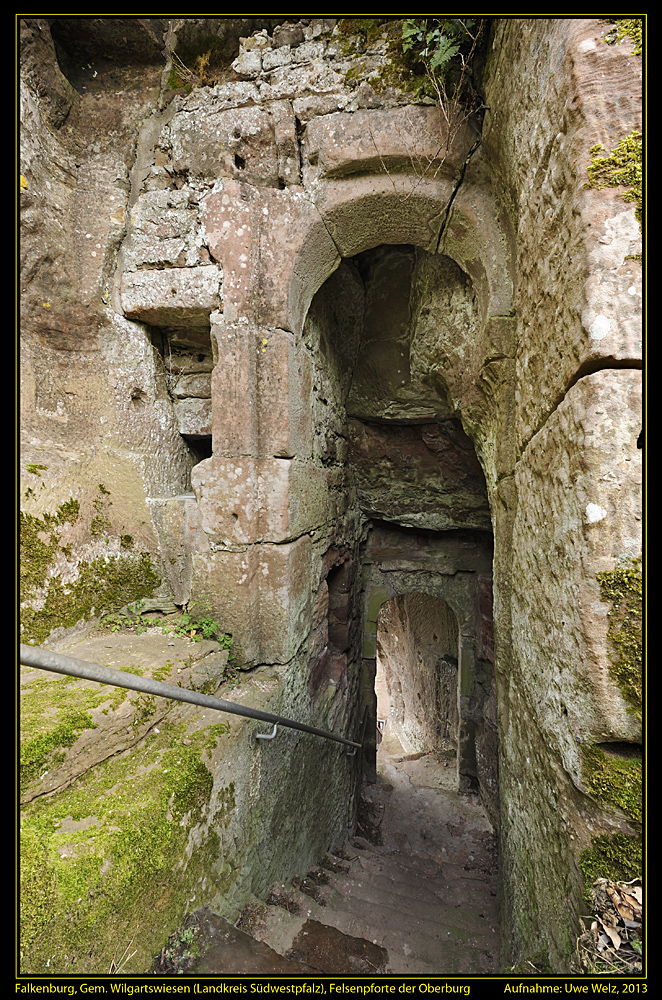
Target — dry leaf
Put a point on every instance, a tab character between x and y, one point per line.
624	911
614	936
633	903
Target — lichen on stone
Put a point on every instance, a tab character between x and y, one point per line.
622	587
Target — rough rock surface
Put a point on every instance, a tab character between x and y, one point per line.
282	354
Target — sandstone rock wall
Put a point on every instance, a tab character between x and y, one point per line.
569	508
261	309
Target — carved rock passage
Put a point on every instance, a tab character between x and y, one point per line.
481	375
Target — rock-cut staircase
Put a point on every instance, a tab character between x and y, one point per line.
420	899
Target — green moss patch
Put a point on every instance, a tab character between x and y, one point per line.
622	587
616	857
620	168
103	584
37	551
36	752
54	712
614	780
626	27
357	33
110	859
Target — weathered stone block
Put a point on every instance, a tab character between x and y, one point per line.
248	64
282	56
287	142
425	474
194	417
291	81
245	500
284	385
578	514
275	251
579	314
261	390
182	296
239	142
262	596
365	211
192	386
285	596
177	525
412	140
234	389
480	238
164	227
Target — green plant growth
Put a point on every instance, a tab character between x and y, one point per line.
626	27
54	712
195	623
100	523
622	588
120	864
438	55
617	857
613	780
36	552
47	749
103	585
620	168
358	33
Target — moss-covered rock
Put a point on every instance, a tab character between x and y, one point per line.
622	587
103	584
110	859
614	780
616	857
620	168
627	27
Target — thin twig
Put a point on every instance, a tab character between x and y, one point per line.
115	968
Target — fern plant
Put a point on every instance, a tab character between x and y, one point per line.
445	47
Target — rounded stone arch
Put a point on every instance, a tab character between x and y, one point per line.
364	212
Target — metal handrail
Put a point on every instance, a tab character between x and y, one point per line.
36	656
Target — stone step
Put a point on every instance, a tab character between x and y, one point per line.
374	917
424	899
414	946
390	909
